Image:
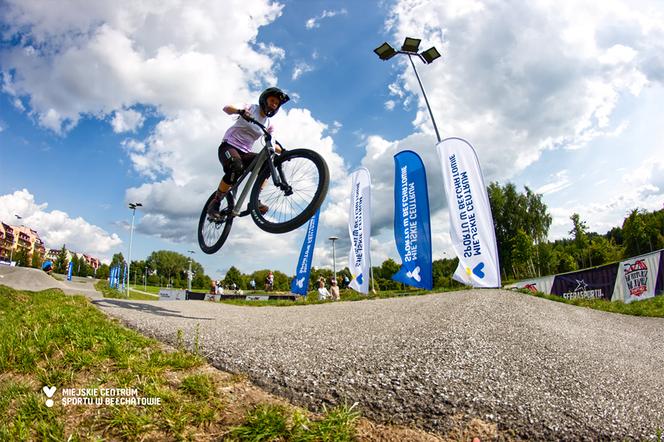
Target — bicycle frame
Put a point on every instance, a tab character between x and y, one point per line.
253	169
265	155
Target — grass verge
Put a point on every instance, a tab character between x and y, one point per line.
653	307
51	339
109	292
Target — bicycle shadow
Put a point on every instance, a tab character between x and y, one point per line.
144	308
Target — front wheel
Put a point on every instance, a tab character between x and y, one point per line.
306	174
213	231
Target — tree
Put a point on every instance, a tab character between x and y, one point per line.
643	232
581	242
37	260
513	211
61	262
233	276
443	269
522	254
22	257
117	259
103	272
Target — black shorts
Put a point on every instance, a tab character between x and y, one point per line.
229	156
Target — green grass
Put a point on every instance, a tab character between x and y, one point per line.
108	292
653	307
52	339
275	423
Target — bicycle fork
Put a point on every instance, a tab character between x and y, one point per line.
278	177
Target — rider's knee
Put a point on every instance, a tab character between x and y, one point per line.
234	170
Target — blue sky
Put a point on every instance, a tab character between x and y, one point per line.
106	103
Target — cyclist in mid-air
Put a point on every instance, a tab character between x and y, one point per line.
235	152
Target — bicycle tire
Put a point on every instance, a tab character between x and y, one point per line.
213	234
307	173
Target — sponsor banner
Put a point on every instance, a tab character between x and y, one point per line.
471	223
659	286
300	284
359	228
597	283
637	278
172	295
412	229
542	284
257	298
70	270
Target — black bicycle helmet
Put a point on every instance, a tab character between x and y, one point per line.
272	92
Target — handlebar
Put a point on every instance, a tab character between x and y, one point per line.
268	136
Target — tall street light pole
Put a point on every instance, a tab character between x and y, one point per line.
133	207
334	256
410	48
189	274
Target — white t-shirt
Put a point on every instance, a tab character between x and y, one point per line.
323	294
243	134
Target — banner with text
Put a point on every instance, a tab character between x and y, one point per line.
471	223
596	283
359	228
300	284
637	278
412	228
542	284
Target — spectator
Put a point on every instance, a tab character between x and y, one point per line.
252	284
269	281
323	294
334	290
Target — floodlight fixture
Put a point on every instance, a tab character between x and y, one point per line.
430	54
410	48
133	206
411	45
385	51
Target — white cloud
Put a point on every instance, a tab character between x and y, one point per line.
560	181
301	68
126	120
389	105
57	228
97	59
314	22
518	78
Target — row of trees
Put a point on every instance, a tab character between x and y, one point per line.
522	224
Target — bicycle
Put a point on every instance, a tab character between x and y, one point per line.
298	186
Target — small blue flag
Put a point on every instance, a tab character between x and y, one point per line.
300	283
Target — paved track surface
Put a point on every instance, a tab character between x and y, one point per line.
545	370
22	278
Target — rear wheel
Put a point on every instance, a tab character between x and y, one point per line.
212	232
308	178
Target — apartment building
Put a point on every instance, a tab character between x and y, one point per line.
93	262
16	238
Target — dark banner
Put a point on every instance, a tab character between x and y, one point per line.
659	287
595	283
